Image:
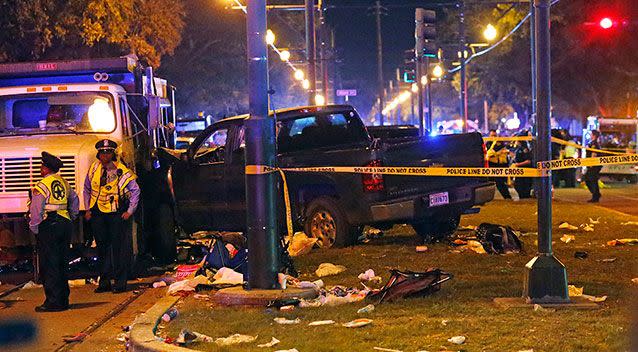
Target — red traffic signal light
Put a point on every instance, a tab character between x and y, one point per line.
606	23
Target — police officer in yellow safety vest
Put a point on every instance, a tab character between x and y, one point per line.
54	204
111	196
497	157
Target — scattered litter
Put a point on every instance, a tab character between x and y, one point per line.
301	244
318	284
369	277
367	309
539	308
290	350
623	241
327	269
170	314
284	321
467	228
595	299
77	282
272	342
321	322
608	260
184	271
498	239
459	242
385	349
629	223
74	338
281	278
575	291
592	221
475	246
371	233
567	226
227	276
635	280
186	336
201	296
578	292
122	337
530	350
588	228
421	249
581	255
357	323
568	238
234	339
30	285
457	340
287	308
157	284
187	286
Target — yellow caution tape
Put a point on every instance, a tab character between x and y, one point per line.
508	139
408	171
576	145
596	161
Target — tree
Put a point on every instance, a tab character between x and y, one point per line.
56	29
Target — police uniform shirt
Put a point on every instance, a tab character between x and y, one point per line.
38	203
523	154
593	144
132	189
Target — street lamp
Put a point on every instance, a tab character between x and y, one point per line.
490	32
299	75
437	71
320	100
270	37
414	88
284	55
305	84
424	80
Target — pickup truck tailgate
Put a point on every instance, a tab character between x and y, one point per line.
455	150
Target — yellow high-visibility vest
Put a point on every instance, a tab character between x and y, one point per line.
56	194
107	197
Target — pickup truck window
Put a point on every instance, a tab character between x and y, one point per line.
212	149
325	130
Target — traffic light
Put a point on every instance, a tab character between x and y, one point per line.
425	33
409	66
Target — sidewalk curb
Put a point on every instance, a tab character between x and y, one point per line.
142	336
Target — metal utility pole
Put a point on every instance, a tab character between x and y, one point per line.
378	9
546	276
418	62
463	88
428	96
532	34
261	193
323	55
311	52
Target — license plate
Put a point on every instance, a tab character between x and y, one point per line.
437	199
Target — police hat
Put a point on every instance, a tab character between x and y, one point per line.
106	145
51	161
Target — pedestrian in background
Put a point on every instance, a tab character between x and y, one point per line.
523	158
111	196
53	205
593	172
497	157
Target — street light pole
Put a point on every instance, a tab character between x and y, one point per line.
311	52
546	276
379	62
463	87
261	204
323	55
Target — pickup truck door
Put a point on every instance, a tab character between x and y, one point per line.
200	187
235	179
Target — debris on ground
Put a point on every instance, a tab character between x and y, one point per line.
369	278
234	339
457	340
321	322
444	322
567	226
608	260
587	228
421	249
474	246
592	221
290	350
227	276
539	308
467	228
367	309
273	341
287	308
158	284
74	338
385	349
284	321
568	238
186	287
357	323
301	244
201	296
581	255
578	292
30	285
623	241
281	279
370	233
77	282
316	285
122	337
185	270
629	223
405	284
170	314
498	239
327	269
186	336
334	296
635	280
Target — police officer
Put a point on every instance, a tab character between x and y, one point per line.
111	196
593	172
523	158
497	157
54	204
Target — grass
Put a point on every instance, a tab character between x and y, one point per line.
465	303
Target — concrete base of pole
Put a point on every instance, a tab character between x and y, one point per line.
545	281
238	296
521	302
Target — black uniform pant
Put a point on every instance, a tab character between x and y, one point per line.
591	180
113	247
53	240
523	186
501	182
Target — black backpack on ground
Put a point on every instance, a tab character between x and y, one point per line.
498	239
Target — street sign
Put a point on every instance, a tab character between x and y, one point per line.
346	92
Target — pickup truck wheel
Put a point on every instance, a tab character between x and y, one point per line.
433	230
326	222
166	245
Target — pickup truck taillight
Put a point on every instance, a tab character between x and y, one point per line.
485	161
373	182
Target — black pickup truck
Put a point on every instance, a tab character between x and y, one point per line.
207	181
